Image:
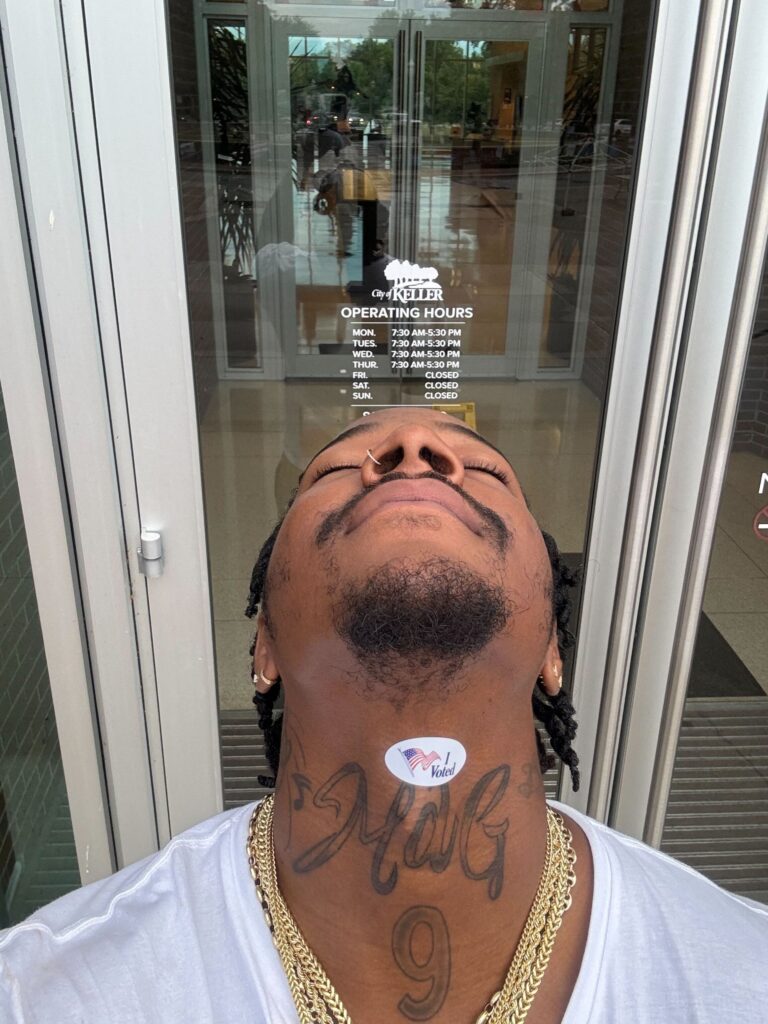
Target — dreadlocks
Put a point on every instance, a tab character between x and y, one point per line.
556	713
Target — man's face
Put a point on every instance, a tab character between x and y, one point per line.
415	564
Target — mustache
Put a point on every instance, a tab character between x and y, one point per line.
335	521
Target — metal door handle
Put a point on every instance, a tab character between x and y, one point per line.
151	553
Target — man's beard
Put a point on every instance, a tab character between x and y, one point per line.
413	625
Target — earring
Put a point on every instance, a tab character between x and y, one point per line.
259	677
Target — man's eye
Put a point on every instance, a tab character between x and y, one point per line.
325	470
489	467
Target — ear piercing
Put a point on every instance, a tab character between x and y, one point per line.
373	457
259	677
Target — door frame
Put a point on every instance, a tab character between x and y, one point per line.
714	348
122	119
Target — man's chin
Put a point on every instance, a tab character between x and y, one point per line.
415	619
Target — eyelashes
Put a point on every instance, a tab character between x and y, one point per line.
483	467
324	470
489	467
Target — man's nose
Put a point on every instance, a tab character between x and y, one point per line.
412	450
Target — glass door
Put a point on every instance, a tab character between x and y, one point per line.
402	165
477	129
459	128
473	146
401	139
340	185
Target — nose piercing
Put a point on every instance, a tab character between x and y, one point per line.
373	457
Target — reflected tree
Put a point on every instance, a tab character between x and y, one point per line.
231	125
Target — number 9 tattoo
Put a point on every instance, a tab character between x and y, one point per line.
422	950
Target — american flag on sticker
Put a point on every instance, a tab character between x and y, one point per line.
415	756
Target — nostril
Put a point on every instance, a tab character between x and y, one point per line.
437	462
391	460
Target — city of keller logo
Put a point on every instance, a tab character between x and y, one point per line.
412	283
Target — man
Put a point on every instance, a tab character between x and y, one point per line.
408	869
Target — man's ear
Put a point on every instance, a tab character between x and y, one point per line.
264	659
551	671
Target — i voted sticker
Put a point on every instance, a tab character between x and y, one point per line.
426	760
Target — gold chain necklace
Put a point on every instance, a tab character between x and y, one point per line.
317	1001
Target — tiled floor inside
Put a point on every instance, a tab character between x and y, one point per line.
736	599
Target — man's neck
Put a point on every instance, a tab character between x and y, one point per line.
413	898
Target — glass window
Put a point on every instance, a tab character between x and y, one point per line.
387	208
38	862
581	155
717	816
231	138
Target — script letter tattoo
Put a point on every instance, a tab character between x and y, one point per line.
398	811
430	841
328	847
482	800
422	950
418	850
292	760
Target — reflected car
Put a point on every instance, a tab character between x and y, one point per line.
356	121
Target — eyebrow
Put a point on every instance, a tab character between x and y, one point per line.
363	428
459	428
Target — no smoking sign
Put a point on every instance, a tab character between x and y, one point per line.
760	524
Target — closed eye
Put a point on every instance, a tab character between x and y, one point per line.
489	467
325	470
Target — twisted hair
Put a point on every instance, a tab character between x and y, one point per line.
556	714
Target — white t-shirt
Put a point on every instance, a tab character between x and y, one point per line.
179	938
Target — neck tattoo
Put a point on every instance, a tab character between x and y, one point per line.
433	840
317	1000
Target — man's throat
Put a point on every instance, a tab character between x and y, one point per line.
395	884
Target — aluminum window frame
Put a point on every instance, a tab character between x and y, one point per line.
64	251
47	524
128	106
612	568
717	336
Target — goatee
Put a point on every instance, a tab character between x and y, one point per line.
412	625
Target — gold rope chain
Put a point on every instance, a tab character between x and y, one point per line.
317	1001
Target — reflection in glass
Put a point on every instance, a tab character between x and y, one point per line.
491	5
341	119
582	6
579	162
472	138
37	850
234	189
359	135
717	816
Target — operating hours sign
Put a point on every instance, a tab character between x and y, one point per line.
425	334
